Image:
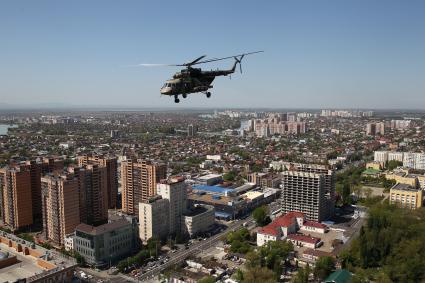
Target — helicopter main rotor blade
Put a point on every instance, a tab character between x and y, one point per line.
224	58
157	65
194	61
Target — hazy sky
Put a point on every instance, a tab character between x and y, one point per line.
317	53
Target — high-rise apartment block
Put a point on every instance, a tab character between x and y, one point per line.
112	174
328	178
60	203
16	197
50	165
93	193
304	192
191	130
400	124
139	179
277	125
373	129
35	168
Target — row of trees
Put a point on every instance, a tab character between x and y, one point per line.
390	247
147	252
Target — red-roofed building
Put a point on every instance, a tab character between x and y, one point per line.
288	224
280	228
316	227
304	241
311	255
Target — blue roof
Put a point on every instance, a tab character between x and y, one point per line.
211	189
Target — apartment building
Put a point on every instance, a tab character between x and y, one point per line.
111	165
93	193
16	197
373	129
304	192
60	206
328	177
139	180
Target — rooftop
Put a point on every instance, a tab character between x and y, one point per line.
304	238
212	189
404	187
97	230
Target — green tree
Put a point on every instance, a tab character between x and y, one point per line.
324	266
392	164
238	275
258	274
346	197
302	275
260	216
207	279
229	176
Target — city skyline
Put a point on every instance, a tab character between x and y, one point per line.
363	54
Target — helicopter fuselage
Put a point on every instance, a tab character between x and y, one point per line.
192	80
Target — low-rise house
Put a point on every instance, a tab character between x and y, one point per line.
284	226
305	241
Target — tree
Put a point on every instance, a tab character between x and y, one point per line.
324	266
229	176
154	245
346	198
302	275
238	275
260	216
258	274
392	164
207	279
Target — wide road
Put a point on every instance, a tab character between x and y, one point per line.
195	248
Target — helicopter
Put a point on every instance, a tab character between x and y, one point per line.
195	80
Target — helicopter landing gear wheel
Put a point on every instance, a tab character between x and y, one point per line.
176	99
184	95
208	94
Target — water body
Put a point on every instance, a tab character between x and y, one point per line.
3	128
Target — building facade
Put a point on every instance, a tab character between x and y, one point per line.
60	206
111	172
154	215
197	220
304	192
93	193
16	197
139	180
175	190
103	245
406	196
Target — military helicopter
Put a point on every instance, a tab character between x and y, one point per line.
194	80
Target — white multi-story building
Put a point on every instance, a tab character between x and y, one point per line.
175	191
381	156
393	155
154	218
